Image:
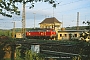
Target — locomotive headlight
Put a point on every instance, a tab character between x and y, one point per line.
42	34
29	33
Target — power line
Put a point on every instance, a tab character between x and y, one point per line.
64	4
70	2
67	4
74	9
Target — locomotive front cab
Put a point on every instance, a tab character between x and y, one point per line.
50	34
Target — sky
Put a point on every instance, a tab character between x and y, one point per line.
65	11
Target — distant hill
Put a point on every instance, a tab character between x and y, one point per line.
75	27
28	29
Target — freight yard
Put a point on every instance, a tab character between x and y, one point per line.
60	32
50	41
55	49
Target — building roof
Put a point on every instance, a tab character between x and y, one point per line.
50	20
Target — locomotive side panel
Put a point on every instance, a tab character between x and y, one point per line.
41	34
35	35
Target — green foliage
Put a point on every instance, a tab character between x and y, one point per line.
88	23
76	58
10	6
4	43
28	55
18	55
85	35
32	56
5	33
74	28
1	50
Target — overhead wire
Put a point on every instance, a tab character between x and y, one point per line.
64	4
71	2
67	4
75	9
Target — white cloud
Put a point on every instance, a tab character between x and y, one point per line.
67	8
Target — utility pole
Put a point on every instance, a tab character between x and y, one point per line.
13	34
53	19
23	21
77	20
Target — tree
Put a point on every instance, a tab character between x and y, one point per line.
87	22
86	35
8	7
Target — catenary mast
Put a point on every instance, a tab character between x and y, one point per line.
23	20
77	20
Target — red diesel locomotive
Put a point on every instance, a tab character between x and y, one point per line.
41	34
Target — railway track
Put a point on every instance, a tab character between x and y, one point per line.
74	47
